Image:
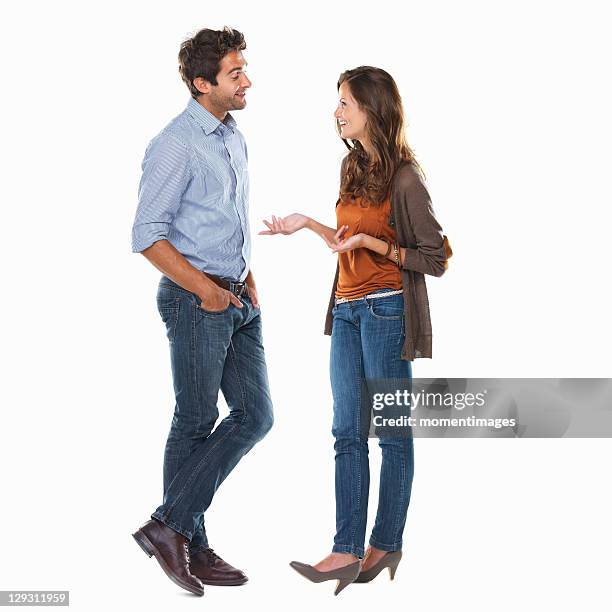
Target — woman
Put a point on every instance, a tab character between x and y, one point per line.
378	315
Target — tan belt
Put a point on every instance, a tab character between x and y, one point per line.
369	296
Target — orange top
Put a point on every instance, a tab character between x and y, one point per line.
362	271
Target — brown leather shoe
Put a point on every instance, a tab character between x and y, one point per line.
210	568
171	549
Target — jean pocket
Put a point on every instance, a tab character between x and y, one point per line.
391	308
168	308
212	313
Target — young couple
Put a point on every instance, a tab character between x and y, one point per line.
192	225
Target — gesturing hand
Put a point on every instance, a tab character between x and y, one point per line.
340	244
285	225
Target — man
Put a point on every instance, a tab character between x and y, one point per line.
192	224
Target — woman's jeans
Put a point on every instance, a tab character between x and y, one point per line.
210	351
366	344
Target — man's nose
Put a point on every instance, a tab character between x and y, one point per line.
246	81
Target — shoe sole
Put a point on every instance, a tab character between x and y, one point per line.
152	551
226	583
314	575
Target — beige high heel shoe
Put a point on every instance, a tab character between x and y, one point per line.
344	575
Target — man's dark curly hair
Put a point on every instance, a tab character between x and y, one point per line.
201	55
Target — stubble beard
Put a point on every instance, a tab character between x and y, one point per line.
238	103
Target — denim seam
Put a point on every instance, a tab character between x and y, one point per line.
397	545
359	458
402	492
174	526
194	369
175	288
196	470
370	307
175	319
358	551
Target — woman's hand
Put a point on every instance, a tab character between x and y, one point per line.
340	244
285	225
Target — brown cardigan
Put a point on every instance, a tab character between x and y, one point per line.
426	252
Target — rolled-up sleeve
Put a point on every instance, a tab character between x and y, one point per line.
165	177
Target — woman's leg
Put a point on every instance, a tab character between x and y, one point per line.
351	446
382	337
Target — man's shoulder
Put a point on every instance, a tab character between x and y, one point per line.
179	130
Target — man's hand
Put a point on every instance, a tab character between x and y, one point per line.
253	295
250	283
216	299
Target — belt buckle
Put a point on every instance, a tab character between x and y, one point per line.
237	288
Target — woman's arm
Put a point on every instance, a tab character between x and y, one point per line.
296	221
413	208
365	241
381	247
329	234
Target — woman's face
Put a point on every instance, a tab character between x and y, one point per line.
351	119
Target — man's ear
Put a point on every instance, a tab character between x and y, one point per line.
202	85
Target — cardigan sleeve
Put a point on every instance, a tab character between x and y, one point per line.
413	204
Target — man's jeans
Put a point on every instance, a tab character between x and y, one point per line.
366	344
209	351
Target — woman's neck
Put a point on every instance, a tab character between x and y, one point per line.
367	147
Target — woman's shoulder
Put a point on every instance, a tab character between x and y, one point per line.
407	176
408	192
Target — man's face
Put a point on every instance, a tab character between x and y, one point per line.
232	82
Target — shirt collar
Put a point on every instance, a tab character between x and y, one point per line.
206	119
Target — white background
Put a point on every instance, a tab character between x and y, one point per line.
508	107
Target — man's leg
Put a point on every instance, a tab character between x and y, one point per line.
198	349
245	387
198	355
244	384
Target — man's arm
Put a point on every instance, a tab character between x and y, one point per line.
165	176
164	256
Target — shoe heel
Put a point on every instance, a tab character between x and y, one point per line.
342	584
144	543
393	568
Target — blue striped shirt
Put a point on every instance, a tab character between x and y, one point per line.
194	193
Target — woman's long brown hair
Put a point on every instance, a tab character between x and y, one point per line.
377	95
